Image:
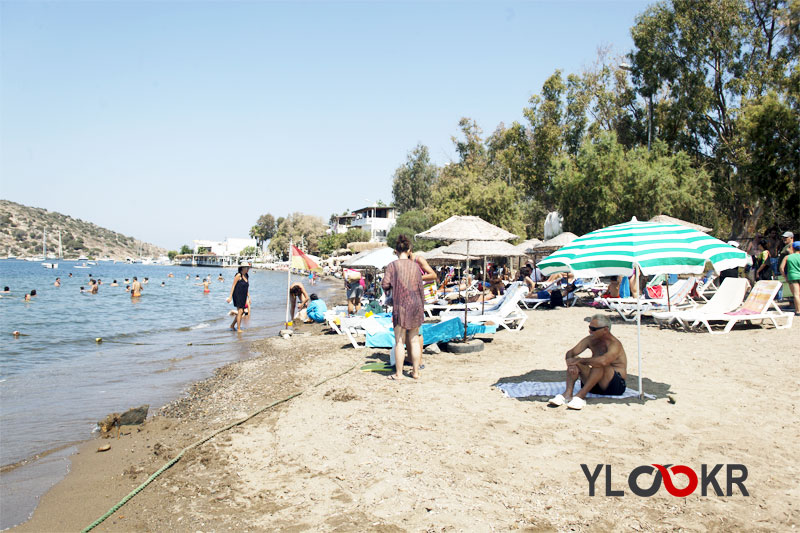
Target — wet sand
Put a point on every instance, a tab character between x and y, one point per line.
450	452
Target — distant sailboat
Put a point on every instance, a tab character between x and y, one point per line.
44	252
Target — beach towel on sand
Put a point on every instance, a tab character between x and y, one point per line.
550	389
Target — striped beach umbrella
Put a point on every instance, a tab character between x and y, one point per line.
654	247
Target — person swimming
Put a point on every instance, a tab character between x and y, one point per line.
114	284
163	284
57	282
6	290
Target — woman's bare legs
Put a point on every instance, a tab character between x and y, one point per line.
413	345
399	352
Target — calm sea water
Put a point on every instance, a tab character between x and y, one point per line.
56	381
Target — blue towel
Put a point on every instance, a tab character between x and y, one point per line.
625	288
431	333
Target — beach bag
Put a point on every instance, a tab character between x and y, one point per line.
429	290
353	275
655	292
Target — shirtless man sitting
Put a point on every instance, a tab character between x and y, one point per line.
602	373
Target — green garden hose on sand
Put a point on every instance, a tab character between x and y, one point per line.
177	458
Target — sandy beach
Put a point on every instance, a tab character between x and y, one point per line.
451	452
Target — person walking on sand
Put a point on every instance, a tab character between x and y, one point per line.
602	373
136	288
404	279
239	295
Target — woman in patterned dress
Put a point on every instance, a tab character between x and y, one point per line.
404	279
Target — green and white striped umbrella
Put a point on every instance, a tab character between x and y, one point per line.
655	248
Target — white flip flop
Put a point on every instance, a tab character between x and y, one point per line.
557	401
576	403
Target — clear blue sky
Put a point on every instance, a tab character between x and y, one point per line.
173	121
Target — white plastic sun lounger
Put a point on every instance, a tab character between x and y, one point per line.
728	297
507	315
628	307
755	308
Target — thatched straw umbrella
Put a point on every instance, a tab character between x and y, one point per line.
485	249
466	228
666	219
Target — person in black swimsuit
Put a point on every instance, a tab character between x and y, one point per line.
239	293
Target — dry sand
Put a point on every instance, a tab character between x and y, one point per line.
450	452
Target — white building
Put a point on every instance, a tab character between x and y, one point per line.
341	223
376	219
230	246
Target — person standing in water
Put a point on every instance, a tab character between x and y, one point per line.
239	295
57	283
136	288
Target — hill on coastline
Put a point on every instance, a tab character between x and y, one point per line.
21	229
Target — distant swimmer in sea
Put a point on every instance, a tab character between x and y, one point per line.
187	276
206	288
95	287
6	290
136	288
146	281
197	277
70	274
240	293
220	278
99	281
170	275
27	297
57	282
127	288
128	280
83	290
163	284
114	284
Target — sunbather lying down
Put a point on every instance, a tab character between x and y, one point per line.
602	373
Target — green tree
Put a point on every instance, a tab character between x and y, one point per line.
171	254
412	181
248	251
410	223
703	67
264	229
186	250
605	185
332	242
301	229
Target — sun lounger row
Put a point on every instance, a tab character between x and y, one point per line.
726	308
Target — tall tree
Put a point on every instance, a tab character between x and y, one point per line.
264	229
705	65
605	184
412	182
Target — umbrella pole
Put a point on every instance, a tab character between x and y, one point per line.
639	342
466	298
669	308
288	284
483	287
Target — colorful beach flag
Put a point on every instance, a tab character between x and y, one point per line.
301	261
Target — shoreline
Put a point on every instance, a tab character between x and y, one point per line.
359	453
27	479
